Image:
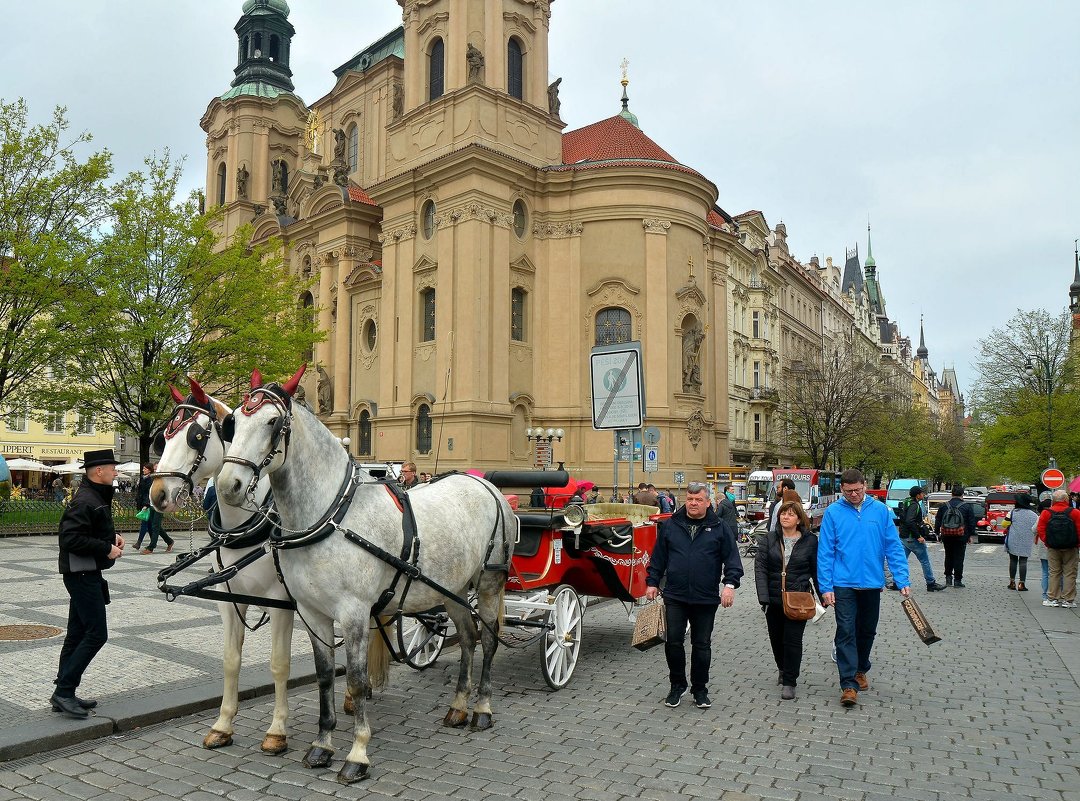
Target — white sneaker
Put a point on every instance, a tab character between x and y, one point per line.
1068	604
1048	602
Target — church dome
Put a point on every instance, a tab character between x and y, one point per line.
275	6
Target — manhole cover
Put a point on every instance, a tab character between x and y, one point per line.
28	632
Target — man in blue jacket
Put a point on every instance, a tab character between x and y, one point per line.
696	551
857	536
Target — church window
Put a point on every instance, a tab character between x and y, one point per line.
354	147
423	429
370	335
514	69
436	65
364	446
256	43
612	326
275	48
518	307
221	177
427	219
427	315
307	319
521	219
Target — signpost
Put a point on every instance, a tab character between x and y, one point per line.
1052	478
618	397
652	458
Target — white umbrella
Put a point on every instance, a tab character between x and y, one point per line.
129	467
67	468
28	465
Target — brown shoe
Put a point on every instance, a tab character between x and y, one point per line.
1012	585
861	680
169	549
145	551
849	697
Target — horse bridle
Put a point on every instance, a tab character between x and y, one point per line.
197	438
279	437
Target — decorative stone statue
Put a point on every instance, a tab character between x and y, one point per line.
242	182
475	60
280	205
398	102
326	392
554	104
300	396
339	145
692	339
277	180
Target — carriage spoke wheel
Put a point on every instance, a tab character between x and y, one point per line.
420	639
562	637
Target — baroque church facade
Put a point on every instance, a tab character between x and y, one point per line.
466	252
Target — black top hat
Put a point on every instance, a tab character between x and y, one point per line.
96	458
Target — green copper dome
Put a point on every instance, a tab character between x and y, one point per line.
278	6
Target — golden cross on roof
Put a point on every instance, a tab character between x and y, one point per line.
625	65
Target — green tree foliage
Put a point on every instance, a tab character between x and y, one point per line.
51	204
1018	408
167	300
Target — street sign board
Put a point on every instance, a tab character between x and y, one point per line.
652	435
1053	479
618	386
628	444
679	477
652	458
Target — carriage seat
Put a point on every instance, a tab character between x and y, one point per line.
613	537
636	513
533	526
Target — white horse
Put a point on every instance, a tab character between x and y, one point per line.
343	549
193	452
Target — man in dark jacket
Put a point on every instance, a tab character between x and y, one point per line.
695	550
955	545
88	544
913	534
725	508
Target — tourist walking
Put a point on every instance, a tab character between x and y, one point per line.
1062	542
913	534
954	525
1019	540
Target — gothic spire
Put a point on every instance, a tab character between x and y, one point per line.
922	352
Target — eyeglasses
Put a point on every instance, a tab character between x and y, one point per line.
854	491
697	486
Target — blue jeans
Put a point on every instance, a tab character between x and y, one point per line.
1045	578
913	546
857	613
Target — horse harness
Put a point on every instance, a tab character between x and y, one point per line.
279	436
184	416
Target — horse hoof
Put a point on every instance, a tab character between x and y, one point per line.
480	721
348	707
352	772
317	757
274	744
216	739
456	718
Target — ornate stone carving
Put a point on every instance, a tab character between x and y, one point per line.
556	230
325	392
280	205
242	182
397	103
554	104
653	225
692	339
695	427
407	231
475	59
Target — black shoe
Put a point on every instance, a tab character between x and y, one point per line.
935	587
68	707
959	584
948	581
780	677
86	703
674	697
787	693
892	586
701	699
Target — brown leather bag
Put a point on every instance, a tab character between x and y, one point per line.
797	605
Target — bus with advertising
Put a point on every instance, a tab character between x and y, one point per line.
718	476
759	494
817	488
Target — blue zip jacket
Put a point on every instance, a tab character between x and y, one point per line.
695	567
854	544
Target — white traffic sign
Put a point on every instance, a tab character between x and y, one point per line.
618	386
652	458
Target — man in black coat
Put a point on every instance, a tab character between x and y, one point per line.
695	551
88	544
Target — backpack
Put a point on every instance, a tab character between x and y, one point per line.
952	521
1060	530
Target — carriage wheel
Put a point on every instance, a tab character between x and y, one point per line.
562	638
421	639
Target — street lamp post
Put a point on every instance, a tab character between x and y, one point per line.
1044	376
542	438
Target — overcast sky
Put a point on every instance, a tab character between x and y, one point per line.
952	126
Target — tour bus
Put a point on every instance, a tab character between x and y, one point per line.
817	488
759	494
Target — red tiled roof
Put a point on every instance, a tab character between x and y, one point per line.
358	195
614	142
714	219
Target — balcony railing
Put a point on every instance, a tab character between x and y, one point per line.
766	394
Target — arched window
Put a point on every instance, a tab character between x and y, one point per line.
427	219
275	49
518	297
354	147
279	171
427	315
514	69
307	320
612	326
521	219
423	429
364	446
256	43
221	174
436	63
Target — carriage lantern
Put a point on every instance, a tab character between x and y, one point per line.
543	437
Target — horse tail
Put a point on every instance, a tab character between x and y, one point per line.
378	656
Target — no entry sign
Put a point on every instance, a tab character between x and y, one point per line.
1052	478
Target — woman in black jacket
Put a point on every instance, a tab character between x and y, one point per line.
799	545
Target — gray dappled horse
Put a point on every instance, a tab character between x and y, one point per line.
193	452
334	520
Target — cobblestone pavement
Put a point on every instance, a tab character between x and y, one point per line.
989	713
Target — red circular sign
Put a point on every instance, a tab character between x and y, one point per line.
1052	478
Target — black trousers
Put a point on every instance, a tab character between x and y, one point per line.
701	618
786	638
87	629
157	529
955	548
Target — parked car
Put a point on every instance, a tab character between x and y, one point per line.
976	491
934	501
899	488
997	506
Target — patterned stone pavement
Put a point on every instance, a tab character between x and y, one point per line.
992	712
